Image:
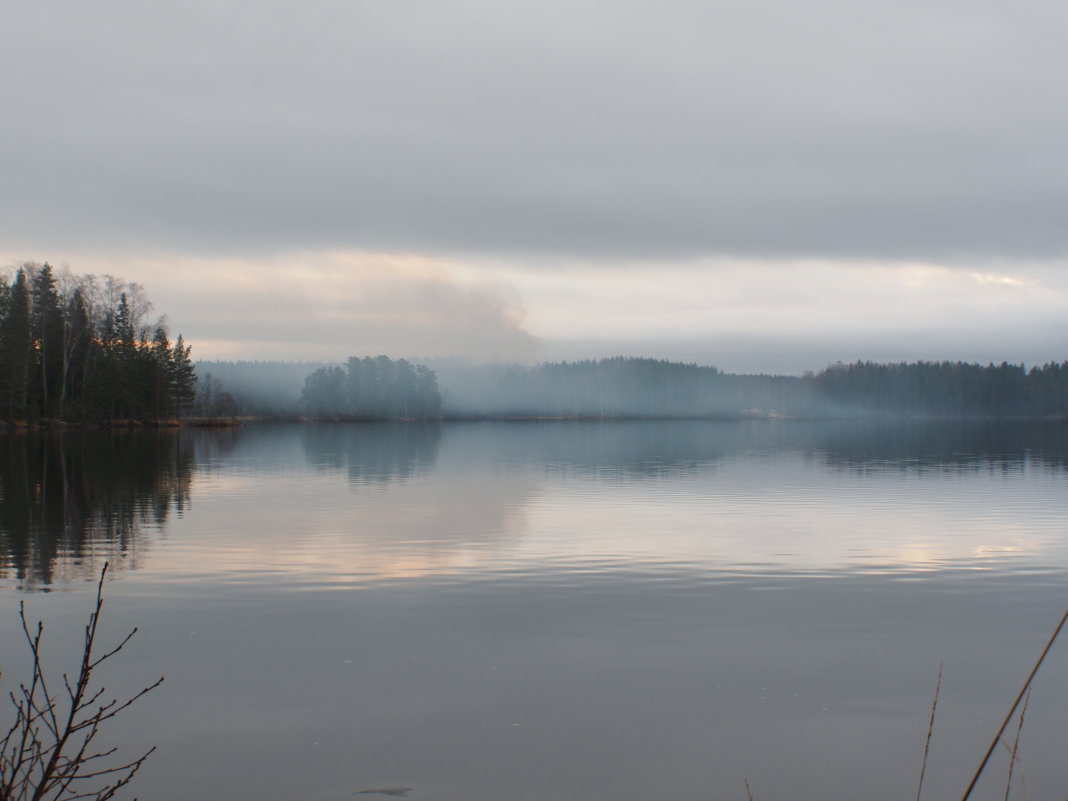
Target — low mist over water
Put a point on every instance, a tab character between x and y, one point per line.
381	388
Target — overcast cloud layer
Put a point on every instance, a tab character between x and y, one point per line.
584	140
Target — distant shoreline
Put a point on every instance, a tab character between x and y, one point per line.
629	388
240	422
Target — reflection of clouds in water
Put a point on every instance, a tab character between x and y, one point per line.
718	498
337	534
782	496
401	508
779	516
350	503
758	497
427	527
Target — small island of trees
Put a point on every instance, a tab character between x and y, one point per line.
373	389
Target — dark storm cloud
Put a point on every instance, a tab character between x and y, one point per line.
828	128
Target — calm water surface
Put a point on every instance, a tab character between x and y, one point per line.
572	611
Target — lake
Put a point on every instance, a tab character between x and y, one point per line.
559	611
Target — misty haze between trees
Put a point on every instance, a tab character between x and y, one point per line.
79	349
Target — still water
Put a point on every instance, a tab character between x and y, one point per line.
556	611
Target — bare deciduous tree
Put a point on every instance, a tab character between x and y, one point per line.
50	752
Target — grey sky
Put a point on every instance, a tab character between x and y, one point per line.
580	138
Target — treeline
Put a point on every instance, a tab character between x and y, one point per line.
609	388
623	387
947	389
382	388
373	389
632	387
78	349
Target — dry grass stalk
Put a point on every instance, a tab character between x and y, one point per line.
748	792
49	753
1016	703
930	731
1016	745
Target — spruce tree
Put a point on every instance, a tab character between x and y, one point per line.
48	325
184	377
16	349
161	359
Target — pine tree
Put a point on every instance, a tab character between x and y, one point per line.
184	377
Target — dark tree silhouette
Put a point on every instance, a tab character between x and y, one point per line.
946	389
373	389
77	349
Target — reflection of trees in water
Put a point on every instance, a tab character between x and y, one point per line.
651	448
372	451
631	447
950	445
70	500
212	445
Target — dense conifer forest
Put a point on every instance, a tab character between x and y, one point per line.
78	349
946	389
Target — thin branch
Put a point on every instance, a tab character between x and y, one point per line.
930	731
48	753
1016	745
1016	703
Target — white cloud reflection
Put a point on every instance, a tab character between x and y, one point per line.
468	521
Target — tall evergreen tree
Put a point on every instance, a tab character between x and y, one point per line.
184	377
77	349
48	331
16	349
162	375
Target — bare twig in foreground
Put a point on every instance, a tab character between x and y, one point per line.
50	753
